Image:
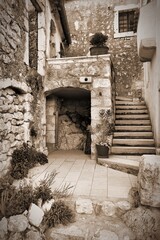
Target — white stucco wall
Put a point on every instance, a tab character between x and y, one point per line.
146	37
152	72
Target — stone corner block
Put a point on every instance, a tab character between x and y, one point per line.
35	215
64	233
108	208
124	205
149	180
84	206
3	227
17	223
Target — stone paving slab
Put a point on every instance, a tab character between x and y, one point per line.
86	176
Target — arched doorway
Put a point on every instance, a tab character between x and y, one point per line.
68	115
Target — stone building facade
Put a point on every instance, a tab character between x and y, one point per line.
26	37
43	82
88	17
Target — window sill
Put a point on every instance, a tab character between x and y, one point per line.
124	34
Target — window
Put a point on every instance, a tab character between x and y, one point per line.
125	20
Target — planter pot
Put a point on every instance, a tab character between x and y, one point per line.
102	151
98	50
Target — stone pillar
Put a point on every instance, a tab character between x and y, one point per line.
50	122
101	98
149	180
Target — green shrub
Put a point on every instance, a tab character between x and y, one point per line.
24	159
19	201
98	39
43	192
59	213
6	183
13	201
16	201
41	158
62	192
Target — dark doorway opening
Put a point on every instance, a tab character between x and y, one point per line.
70	122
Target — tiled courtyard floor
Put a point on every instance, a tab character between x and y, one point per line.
88	179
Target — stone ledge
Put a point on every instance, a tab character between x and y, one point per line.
147	49
78	59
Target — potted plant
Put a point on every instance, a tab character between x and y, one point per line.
106	128
98	42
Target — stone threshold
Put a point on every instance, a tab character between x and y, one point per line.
118	163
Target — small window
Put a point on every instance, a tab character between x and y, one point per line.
125	21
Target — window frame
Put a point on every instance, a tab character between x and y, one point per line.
118	9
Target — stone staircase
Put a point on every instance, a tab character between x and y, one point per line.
133	132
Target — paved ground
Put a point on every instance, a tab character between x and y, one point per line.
88	179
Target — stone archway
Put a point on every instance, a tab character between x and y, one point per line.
68	114
88	73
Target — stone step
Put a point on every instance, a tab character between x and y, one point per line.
134	142
133	135
132	111
132	122
130	103
118	98
126	164
132	150
128	107
133	128
132	116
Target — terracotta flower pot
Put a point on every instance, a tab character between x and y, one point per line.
99	50
102	151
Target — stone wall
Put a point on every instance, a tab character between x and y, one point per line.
88	17
12	37
21	90
11	125
74	118
37	110
33	38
